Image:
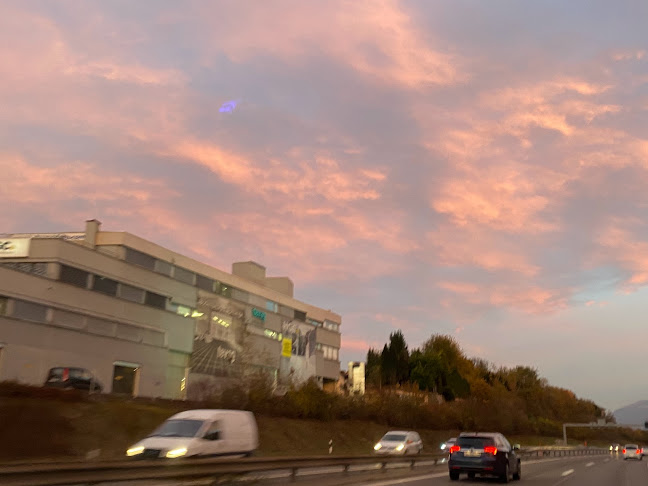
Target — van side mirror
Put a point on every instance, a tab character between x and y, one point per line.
516	447
213	435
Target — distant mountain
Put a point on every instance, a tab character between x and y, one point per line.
635	414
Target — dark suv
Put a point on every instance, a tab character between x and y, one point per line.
486	454
73	378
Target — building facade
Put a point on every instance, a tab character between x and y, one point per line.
149	321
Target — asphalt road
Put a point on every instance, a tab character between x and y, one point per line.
604	470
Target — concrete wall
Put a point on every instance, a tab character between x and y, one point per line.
31	349
327	368
330	338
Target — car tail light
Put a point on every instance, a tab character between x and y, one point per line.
638	451
490	450
455	448
66	374
624	451
410	441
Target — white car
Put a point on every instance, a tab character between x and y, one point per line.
398	442
445	447
632	451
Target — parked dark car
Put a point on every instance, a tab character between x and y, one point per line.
73	379
484	454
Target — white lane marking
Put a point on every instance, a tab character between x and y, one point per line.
406	480
567	472
589	464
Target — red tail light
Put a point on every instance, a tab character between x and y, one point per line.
638	451
66	374
454	448
624	451
490	450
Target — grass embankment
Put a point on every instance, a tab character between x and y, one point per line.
47	428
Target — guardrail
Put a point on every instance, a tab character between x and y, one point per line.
96	473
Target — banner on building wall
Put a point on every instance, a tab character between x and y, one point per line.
14	247
300	364
286	348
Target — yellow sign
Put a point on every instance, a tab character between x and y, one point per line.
286	348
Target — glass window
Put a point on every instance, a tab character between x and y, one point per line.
183	275
74	276
394	438
332	326
239	295
39	269
182	310
100	326
272	306
128	292
104	285
178	428
313	322
475	442
273	334
130	333
68	319
29	311
155	300
163	267
205	283
300	316
222	289
139	258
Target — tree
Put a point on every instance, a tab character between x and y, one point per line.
373	370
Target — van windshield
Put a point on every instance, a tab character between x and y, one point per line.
178	428
394	438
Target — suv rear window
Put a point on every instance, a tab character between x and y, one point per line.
475	442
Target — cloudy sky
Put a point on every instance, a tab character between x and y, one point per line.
475	168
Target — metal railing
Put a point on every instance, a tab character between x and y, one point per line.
96	473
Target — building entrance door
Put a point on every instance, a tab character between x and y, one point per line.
125	378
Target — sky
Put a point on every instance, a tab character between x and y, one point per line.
470	168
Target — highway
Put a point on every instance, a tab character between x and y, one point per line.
586	471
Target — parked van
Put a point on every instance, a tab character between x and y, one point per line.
200	433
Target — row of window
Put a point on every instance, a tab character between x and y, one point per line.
86	280
205	283
330	352
31	311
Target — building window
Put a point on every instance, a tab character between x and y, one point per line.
104	285
29	311
74	276
155	300
313	322
183	275
332	326
139	258
39	269
222	289
182	310
329	351
300	316
205	283
128	292
68	319
3	306
272	306
269	333
240	295
163	267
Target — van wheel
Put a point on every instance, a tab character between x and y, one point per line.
518	474
454	476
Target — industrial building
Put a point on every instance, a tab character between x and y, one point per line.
147	321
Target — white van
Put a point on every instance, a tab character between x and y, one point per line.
202	433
